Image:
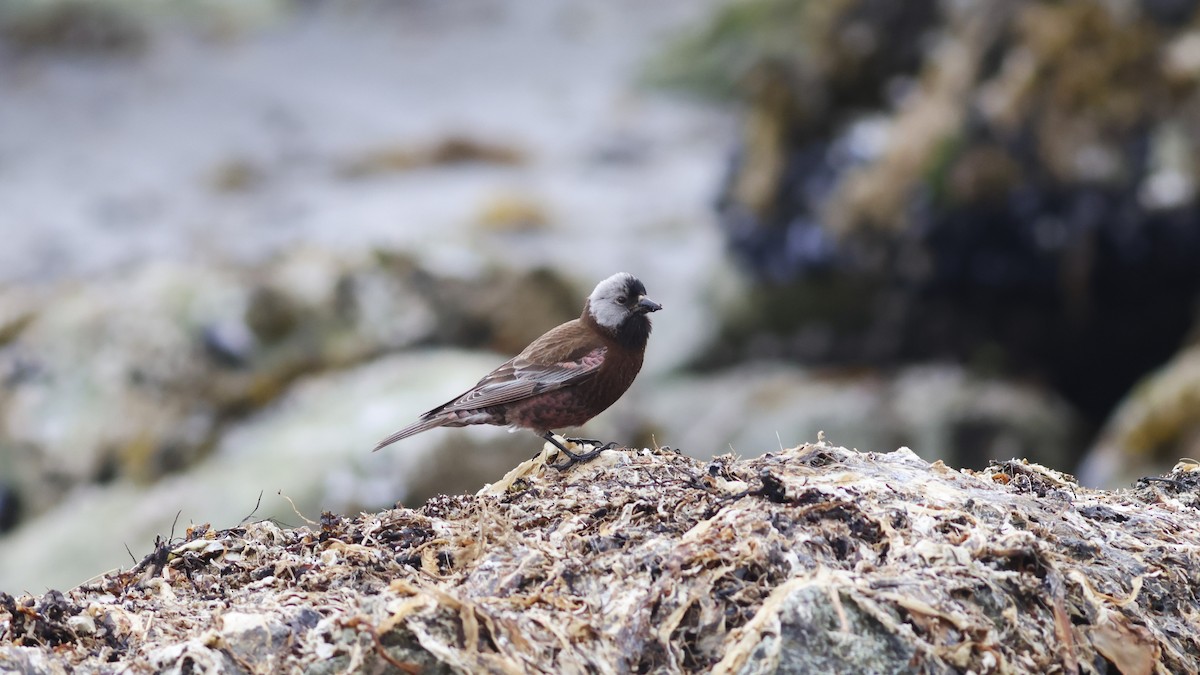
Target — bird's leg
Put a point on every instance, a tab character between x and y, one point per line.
573	458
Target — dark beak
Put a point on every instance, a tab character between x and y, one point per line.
647	305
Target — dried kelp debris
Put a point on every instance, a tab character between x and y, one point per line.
813	559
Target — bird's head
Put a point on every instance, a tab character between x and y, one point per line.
618	299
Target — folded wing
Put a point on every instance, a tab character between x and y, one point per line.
519	379
566	356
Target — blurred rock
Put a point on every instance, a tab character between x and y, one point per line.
449	150
308	452
143	374
512	213
120	28
80	26
504	312
1153	428
237	175
840	53
942	411
10	506
1009	185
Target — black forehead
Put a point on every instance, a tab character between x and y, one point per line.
634	287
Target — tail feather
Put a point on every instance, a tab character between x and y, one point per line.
415	428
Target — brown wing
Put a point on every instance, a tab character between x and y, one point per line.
563	357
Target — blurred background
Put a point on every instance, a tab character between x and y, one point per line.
244	240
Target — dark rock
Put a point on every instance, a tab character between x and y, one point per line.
1029	206
10	507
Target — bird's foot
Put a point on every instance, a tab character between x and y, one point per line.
594	442
577	458
574	458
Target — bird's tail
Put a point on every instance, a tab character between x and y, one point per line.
412	429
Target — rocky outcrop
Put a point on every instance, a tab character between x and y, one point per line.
814	559
1011	184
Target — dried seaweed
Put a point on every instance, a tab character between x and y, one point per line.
816	558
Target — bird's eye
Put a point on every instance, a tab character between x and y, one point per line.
621	299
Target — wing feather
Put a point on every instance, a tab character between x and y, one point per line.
517	380
565	356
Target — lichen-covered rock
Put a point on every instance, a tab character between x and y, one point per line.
814	559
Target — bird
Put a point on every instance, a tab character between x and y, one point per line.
564	378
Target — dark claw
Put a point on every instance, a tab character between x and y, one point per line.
600	447
573	458
577	458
